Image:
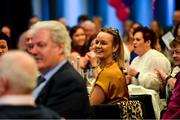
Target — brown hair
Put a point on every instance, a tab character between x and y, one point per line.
119	54
175	42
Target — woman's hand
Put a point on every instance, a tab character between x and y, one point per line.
92	58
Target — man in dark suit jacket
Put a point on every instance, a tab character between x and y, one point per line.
63	88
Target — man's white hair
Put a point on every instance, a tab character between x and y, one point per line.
20	69
58	31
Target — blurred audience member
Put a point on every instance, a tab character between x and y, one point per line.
173	109
7	30
64	22
89	27
82	18
17	81
5	43
91	43
177	30
142	69
98	22
62	88
110	85
166	79
78	36
127	26
156	28
33	20
129	42
24	41
176	20
85	62
78	45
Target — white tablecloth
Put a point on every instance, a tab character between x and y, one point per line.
139	90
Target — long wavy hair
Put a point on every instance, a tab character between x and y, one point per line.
119	54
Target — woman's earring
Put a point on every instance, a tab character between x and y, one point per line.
114	55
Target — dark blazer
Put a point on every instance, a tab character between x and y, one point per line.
66	93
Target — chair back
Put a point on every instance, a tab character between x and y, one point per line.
147	107
130	109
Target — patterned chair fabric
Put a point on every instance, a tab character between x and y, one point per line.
130	109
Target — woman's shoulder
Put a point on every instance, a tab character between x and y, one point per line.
112	70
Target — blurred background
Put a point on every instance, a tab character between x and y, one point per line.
16	13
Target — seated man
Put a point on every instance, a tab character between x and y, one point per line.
63	89
17	81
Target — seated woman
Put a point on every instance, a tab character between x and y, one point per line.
173	108
110	86
78	45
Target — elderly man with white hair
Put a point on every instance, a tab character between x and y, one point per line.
63	89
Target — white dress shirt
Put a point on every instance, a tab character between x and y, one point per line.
146	65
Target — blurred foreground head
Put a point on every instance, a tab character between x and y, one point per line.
18	73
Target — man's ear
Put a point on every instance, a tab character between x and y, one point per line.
61	48
3	86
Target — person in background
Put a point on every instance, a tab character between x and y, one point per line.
177	30
64	22
127	26
85	64
25	40
98	20
78	36
78	46
176	20
7	30
82	18
110	86
61	87
5	43
170	79
89	27
166	79
128	42
33	19
17	81
156	28
173	108
142	69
